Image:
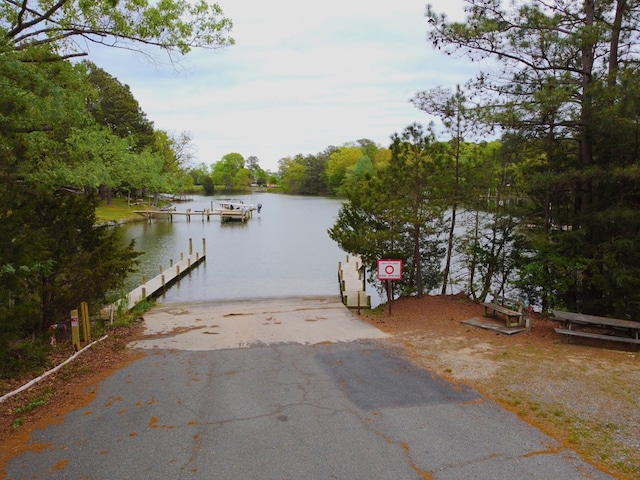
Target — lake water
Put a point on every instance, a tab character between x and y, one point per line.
283	251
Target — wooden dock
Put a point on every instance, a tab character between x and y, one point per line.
158	285
169	214
352	279
241	215
225	215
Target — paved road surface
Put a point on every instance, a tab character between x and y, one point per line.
287	389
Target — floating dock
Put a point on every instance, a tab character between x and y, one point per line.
158	285
352	279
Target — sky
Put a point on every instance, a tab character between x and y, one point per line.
302	76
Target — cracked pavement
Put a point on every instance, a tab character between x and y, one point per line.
286	389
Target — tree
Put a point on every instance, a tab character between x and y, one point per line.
67	27
115	107
457	118
315	181
394	213
52	254
293	173
560	79
41	105
225	171
201	176
340	164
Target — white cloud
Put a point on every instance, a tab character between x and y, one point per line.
302	76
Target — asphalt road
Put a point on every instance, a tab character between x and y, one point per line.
286	389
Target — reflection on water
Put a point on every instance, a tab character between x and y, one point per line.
283	251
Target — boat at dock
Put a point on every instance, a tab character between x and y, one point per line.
231	210
228	210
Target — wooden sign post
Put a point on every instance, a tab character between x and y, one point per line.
75	330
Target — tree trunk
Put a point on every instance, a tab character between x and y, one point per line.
447	265
616	28
417	260
585	157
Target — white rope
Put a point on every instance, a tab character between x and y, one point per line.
53	370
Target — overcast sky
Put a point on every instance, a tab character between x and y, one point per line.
302	76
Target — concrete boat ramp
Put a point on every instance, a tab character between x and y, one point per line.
245	323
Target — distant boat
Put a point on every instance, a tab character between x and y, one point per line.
233	210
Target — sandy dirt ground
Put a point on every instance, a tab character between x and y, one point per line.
585	393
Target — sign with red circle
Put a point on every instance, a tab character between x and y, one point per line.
389	269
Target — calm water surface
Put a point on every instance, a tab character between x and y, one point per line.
283	251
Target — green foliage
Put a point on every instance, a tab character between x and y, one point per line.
83	261
114	106
176	26
39	400
566	95
230	173
293	174
331	171
34	403
20	355
208	185
340	164
395	213
66	130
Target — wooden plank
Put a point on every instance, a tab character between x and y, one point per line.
476	322
501	309
510	314
352	283
581	333
354	299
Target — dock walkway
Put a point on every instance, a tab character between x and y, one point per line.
203	214
158	284
351	276
225	214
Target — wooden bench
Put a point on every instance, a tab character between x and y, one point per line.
512	310
573	324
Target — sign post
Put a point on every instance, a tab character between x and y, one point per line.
86	322
75	330
389	270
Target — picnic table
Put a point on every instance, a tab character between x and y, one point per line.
574	324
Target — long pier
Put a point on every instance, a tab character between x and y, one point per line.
351	276
226	215
158	284
203	214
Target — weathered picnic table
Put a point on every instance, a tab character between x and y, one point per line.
615	329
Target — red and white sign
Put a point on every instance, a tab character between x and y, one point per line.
389	269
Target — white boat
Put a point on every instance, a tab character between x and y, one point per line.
234	210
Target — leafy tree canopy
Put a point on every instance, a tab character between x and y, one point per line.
69	27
